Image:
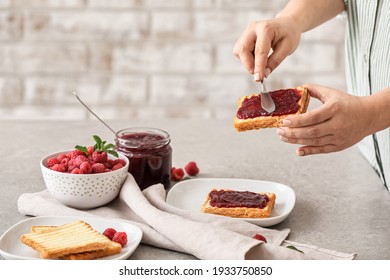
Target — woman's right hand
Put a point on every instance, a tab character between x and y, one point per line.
253	48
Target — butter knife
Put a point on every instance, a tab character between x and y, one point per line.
267	102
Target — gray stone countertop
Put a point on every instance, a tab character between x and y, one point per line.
340	202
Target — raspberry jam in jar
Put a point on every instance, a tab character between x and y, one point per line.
149	153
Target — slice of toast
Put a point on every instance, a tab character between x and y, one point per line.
70	239
112	249
254	117
42	229
240	212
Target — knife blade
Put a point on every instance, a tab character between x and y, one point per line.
267	102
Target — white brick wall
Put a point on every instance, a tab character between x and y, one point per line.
143	58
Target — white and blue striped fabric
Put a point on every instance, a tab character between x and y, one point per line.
368	69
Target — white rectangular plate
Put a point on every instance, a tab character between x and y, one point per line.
190	195
12	248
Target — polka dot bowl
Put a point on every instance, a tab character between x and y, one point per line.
84	191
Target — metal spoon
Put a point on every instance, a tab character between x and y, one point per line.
78	98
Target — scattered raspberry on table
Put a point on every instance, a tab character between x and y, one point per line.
191	168
260	237
177	174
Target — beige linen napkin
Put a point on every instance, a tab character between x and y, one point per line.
201	235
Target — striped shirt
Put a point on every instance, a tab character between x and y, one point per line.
368	69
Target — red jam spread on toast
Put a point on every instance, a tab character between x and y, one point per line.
229	199
286	102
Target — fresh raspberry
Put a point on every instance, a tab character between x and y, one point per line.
86	167
58	167
72	164
109	232
86	159
121	238
98	168
52	161
60	157
96	156
117	166
65	161
77	171
90	160
80	159
90	150
75	153
191	168
260	237
177	174
99	157
120	161
104	156
109	164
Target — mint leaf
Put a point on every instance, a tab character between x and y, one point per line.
82	149
294	248
98	141
111	152
109	146
100	146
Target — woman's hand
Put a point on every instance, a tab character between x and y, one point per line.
342	121
281	34
253	48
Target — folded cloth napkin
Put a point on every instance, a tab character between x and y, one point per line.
204	236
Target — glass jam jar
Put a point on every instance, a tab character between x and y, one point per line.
149	153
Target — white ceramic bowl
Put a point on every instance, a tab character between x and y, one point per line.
84	191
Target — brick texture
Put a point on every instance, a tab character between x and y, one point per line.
144	59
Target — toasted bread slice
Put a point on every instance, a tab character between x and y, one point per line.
261	119
69	239
240	212
42	229
112	249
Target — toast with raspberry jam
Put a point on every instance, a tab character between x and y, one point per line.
250	115
239	204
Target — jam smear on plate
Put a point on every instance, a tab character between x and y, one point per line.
286	102
228	199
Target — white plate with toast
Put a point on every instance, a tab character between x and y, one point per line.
12	248
191	194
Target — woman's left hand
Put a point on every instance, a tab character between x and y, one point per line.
342	121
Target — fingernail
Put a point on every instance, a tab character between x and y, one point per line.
280	132
284	139
256	77
267	72
286	122
301	153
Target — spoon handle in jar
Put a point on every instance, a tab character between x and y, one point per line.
78	98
